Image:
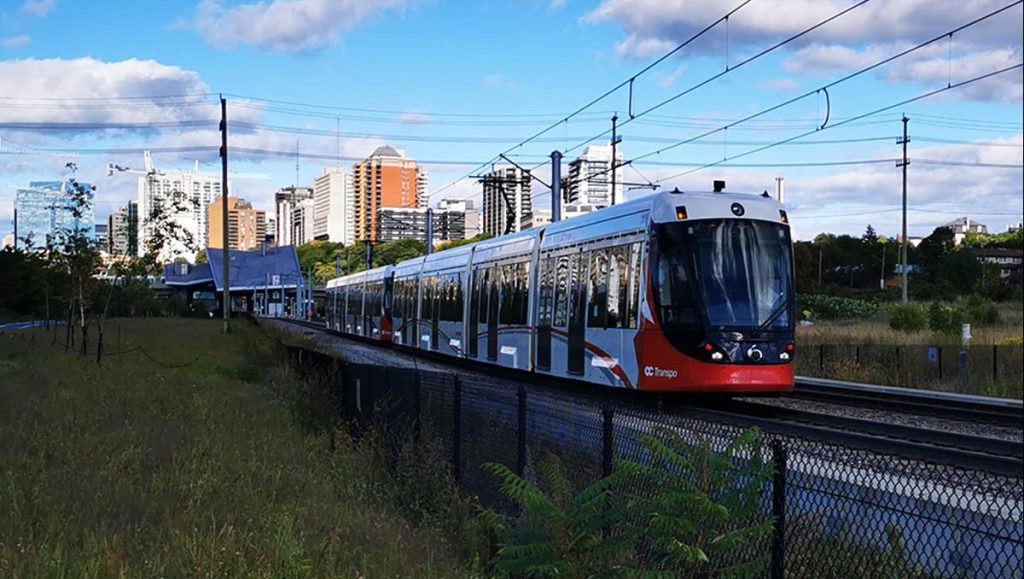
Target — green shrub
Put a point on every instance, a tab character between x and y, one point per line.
908	317
945	319
838	308
982	312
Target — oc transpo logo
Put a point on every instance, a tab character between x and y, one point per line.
654	371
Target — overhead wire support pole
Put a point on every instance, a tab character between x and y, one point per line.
615	159
226	307
903	245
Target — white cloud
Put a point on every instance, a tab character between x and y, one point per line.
414	118
932	66
84	78
557	4
780	85
669	22
666	79
497	81
846	201
17	41
39	7
289	26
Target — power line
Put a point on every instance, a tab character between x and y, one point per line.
622	84
876	111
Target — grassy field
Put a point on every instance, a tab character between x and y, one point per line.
876	331
187	464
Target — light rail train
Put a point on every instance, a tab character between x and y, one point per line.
674	291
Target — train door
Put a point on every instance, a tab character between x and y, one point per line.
493	296
545	311
438	299
577	313
476	301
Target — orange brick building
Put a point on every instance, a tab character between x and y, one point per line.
247	227
386	179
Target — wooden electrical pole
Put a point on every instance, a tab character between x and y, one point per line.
226	307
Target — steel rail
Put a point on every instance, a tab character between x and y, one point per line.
952	406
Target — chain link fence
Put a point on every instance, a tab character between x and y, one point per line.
832	510
980	370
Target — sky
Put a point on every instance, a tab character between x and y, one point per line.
812	91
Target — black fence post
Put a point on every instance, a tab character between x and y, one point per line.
778	566
521	433
995	363
608	441
417	422
940	362
457	428
899	375
856	354
821	358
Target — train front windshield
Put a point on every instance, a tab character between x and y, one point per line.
738	272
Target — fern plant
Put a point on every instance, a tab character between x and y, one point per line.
560	534
706	514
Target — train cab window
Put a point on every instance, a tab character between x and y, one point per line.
597	290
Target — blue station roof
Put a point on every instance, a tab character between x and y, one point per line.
249	269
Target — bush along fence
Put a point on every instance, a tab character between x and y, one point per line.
575	481
982	370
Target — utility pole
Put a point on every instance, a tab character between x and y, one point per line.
556	186
15	229
903	245
430	230
615	159
224	212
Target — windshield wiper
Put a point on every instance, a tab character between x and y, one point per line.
774	316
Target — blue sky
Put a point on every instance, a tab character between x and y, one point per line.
456	83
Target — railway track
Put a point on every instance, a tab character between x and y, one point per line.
951	406
937	446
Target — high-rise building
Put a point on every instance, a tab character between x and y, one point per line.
301	222
386	179
541	217
246	226
411	223
123	229
470	216
507	200
102	237
334	207
589	183
184	197
285	201
49	210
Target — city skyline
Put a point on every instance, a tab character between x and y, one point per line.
376	75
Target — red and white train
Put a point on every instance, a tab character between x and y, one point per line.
675	291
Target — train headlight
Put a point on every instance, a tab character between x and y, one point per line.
717	356
784	356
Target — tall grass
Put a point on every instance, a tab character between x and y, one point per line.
132	468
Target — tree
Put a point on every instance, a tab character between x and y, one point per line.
201	256
461	242
393	252
869	236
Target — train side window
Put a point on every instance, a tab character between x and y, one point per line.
457	299
523	292
635	273
618	286
427	307
545	305
597	290
505	295
484	284
562	291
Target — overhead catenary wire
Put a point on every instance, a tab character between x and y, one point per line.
594	101
882	109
